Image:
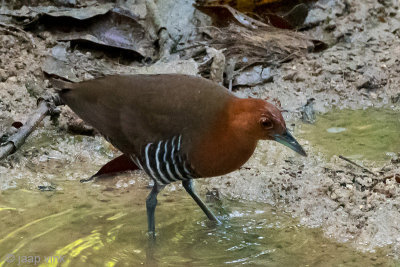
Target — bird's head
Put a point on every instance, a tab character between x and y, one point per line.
264	121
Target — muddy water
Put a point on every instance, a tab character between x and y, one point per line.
370	134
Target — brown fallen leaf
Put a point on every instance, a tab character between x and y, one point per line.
224	15
283	14
241	5
99	25
266	46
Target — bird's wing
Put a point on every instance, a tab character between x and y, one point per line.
138	109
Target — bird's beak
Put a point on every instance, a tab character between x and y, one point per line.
288	140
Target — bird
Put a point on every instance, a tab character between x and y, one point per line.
175	127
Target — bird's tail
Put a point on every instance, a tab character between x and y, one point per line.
61	85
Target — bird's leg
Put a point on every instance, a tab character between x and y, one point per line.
188	185
151	203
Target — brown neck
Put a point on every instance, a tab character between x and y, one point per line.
229	144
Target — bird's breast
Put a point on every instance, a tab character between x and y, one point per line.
219	155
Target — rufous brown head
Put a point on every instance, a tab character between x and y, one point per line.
274	127
264	121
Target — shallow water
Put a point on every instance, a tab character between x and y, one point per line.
370	134
104	224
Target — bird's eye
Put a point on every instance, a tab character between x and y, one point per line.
266	123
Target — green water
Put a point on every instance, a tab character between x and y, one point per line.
368	134
103	225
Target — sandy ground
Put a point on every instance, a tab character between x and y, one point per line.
360	69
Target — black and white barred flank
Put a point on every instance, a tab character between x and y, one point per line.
164	162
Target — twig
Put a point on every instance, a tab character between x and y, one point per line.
14	142
165	41
211	27
352	162
190	47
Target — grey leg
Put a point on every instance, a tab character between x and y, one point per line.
151	203
188	185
